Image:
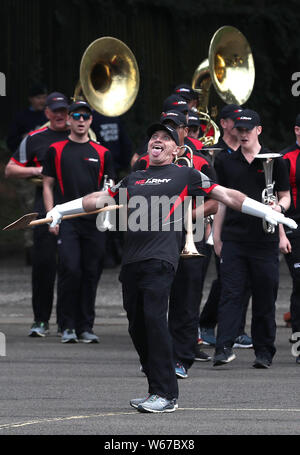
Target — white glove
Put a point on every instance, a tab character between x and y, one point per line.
255	208
280	218
55	215
68	208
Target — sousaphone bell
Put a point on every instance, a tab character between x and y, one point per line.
109	77
230	68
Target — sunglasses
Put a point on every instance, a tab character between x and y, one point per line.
77	115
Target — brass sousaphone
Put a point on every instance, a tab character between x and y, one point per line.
230	68
109	77
109	82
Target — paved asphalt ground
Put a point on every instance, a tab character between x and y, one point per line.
49	388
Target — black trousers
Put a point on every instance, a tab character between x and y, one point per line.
81	249
258	263
44	266
146	287
184	309
293	262
209	314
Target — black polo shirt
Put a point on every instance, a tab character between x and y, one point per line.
234	171
31	153
291	156
78	168
200	162
224	150
161	236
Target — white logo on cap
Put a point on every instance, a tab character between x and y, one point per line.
245	118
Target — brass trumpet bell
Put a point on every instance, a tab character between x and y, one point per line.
189	249
109	77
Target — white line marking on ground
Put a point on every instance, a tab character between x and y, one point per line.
111	414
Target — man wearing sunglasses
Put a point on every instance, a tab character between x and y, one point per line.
73	168
26	163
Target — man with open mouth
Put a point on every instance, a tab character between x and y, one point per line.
151	256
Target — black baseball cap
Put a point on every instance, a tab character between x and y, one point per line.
194	119
297	122
57	100
186	92
175	102
247	119
79	104
161	127
176	116
230	111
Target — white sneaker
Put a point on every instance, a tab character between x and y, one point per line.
88	337
69	336
136	401
39	329
157	404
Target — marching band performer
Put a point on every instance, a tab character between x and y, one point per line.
71	169
27	162
151	257
186	290
246	251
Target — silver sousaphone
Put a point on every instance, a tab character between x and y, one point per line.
268	196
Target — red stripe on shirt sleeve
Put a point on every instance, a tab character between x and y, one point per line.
112	193
18	162
58	147
208	190
292	157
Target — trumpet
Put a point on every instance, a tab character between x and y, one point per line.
268	196
189	249
104	218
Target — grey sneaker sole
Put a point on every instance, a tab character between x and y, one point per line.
223	362
72	340
261	365
137	401
207	359
35	334
156	411
88	341
181	376
242	346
